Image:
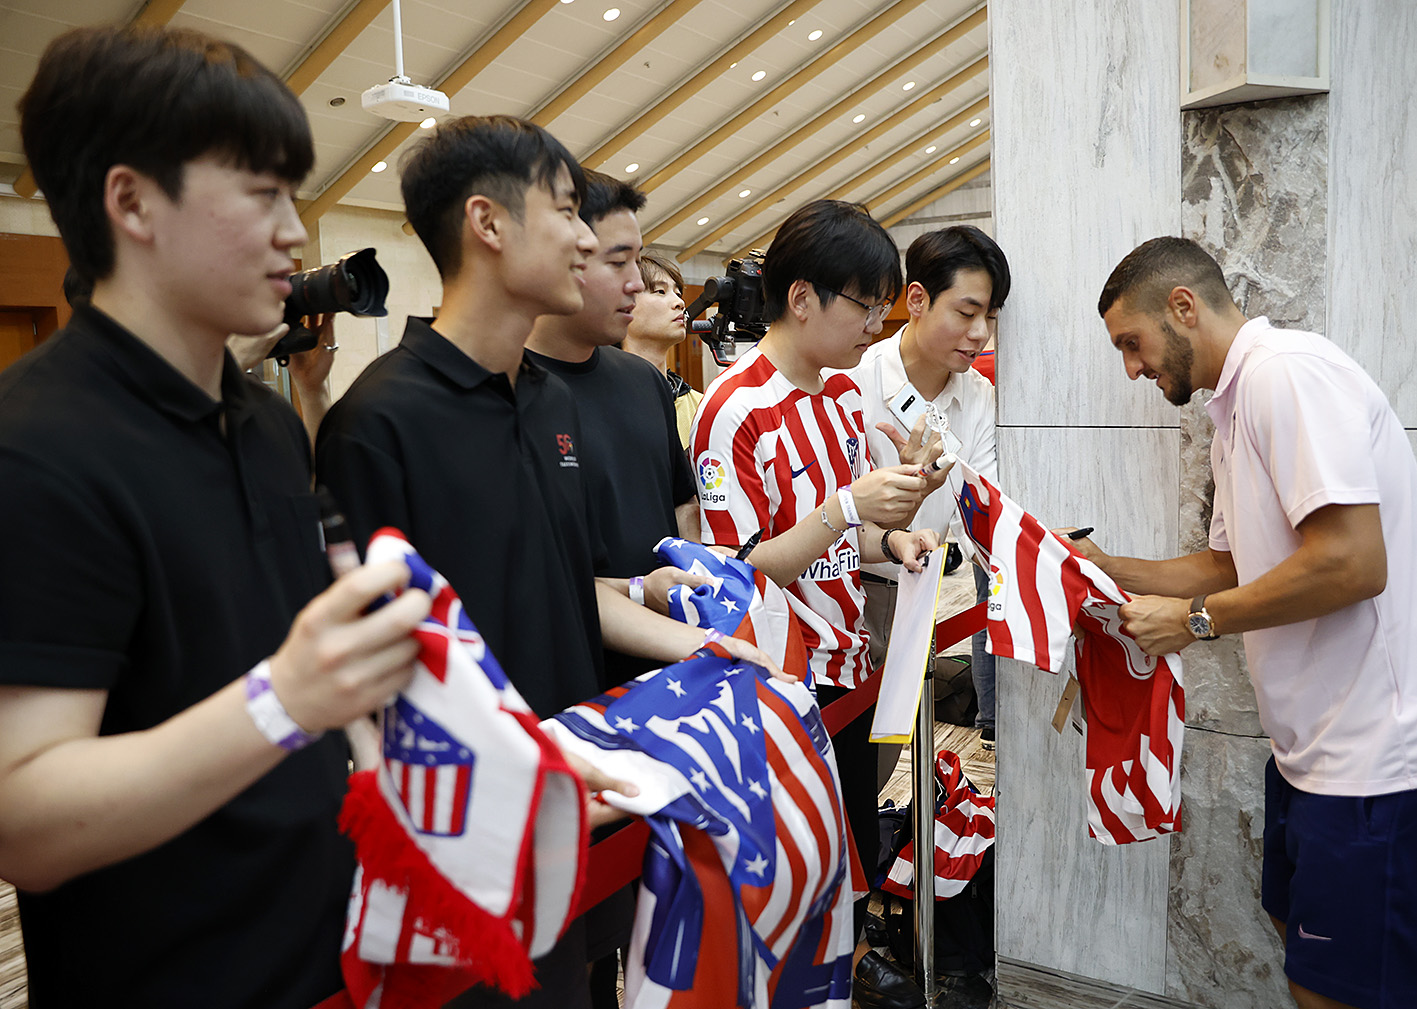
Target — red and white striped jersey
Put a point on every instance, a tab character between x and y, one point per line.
964	831
767	454
1039	589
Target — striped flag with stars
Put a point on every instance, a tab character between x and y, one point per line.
470	835
745	896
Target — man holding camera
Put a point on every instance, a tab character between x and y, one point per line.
168	792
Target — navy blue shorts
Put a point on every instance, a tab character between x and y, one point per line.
1341	873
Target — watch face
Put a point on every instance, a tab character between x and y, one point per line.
1199	624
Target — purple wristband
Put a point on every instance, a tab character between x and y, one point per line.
270	716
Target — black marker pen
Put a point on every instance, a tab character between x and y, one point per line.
747	548
343	555
1078	534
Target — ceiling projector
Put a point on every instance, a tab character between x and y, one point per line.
403	101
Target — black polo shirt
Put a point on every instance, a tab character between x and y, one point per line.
486	482
151	556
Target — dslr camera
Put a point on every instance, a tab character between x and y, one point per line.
741	316
354	283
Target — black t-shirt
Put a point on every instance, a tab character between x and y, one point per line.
486	483
152	557
634	466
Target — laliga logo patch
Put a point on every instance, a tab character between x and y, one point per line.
996	593
713	474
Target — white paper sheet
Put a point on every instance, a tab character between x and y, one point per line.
912	637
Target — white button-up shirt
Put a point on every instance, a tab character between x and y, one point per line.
967	400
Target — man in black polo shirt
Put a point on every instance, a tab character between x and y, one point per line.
637	473
460	440
170	847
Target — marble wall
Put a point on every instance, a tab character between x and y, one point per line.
1086	165
1372	194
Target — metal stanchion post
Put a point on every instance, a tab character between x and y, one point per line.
922	775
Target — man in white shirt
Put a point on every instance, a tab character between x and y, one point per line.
956	281
1310	556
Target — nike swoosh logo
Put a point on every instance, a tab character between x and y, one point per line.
1309	935
798	472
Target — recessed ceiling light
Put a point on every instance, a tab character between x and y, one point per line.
792	22
336	101
859	118
379	166
931	149
907	85
975	122
815	34
732	65
744	194
428	123
611	14
953	160
703	221
632	167
759	74
567	1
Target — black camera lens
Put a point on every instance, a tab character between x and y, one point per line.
354	283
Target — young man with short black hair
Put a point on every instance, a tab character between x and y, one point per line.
956	282
1311	547
780	448
634	463
169	844
657	326
460	439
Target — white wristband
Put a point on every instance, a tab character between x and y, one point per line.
270	716
637	589
848	507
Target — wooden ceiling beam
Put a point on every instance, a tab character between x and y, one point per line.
460	77
602	68
812	69
155	12
924	201
968	147
810	175
677	96
335	42
877	84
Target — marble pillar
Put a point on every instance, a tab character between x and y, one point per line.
1254	191
1086	165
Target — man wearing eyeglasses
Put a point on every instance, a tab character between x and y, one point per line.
781	448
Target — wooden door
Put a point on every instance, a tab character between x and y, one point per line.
19	334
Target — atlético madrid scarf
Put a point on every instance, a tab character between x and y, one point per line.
470	835
745	898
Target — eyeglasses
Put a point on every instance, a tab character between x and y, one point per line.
874	313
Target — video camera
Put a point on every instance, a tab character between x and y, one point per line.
741	316
354	283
